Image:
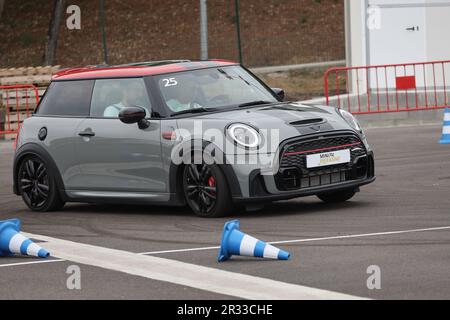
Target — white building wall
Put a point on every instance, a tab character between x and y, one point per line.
436	29
392	43
438	32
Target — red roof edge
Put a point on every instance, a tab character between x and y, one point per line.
96	72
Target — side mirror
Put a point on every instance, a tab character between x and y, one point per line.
279	92
134	114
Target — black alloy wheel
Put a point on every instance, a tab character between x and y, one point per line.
206	190
37	185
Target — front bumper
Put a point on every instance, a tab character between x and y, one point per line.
293	179
304	193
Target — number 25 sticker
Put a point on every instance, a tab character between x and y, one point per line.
170	82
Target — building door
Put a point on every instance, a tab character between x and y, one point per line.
400	37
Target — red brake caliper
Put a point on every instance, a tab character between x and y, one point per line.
211	181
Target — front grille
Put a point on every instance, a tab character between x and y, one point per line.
294	174
290	158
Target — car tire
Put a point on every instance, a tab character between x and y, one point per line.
37	185
337	197
206	190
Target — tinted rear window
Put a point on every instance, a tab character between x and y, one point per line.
67	98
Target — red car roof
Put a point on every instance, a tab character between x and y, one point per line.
137	70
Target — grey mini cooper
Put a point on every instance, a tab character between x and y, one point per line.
207	134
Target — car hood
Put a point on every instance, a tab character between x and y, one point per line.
290	119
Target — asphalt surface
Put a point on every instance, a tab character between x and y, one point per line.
411	192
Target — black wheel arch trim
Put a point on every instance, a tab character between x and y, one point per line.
176	189
175	173
37	150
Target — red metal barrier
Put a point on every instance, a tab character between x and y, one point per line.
388	88
17	103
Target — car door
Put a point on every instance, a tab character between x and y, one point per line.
114	156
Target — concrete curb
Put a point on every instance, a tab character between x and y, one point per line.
291	67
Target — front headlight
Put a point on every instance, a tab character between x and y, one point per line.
244	135
351	120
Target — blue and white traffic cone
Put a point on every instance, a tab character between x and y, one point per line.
12	242
235	242
446	128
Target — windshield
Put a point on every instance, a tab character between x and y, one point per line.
213	88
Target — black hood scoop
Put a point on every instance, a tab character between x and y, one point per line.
306	122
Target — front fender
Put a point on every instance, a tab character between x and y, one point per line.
195	149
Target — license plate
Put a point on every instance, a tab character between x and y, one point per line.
327	158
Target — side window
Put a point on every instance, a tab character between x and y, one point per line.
112	95
67	98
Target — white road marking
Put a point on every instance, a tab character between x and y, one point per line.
185	274
362	235
28	263
273	242
179	250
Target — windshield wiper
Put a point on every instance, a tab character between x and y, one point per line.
254	103
195	110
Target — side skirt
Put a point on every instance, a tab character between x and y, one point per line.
122	197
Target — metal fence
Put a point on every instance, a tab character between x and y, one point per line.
389	88
17	103
273	32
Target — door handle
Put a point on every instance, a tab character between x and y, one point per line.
413	28
87	133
